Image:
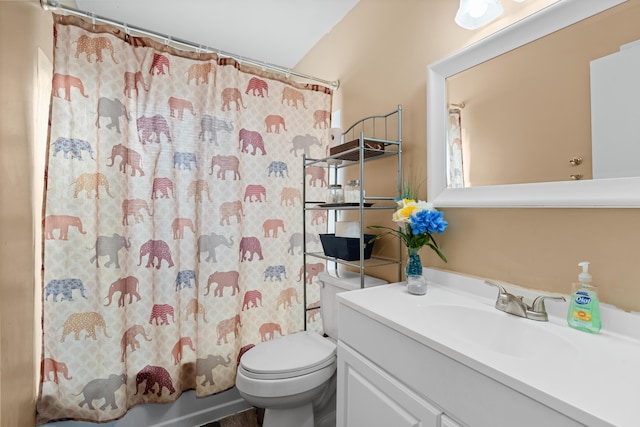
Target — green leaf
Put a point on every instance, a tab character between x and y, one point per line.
437	250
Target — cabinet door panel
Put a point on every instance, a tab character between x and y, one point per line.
367	396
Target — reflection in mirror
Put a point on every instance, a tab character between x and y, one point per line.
528	112
615	128
509	118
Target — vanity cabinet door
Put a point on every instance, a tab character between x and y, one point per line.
368	396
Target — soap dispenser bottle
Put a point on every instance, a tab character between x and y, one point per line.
584	308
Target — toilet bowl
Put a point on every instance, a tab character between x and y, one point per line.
294	377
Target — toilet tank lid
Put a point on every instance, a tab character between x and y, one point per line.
348	280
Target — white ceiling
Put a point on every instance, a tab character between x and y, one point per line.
279	32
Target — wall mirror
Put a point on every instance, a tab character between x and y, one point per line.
535	180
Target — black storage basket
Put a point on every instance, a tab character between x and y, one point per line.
346	248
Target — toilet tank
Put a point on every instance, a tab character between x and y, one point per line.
331	284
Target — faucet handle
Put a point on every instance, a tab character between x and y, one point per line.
502	302
507	302
538	311
503	291
538	303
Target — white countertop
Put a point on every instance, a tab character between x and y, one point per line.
594	379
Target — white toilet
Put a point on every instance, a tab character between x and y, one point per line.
294	377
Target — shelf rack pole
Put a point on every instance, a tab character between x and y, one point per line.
304	240
361	154
400	183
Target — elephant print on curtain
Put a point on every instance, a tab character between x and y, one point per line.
172	219
66	82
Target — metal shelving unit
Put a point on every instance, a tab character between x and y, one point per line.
378	137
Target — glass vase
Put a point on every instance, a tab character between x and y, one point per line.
414	265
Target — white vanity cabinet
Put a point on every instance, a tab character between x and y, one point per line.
388	378
369	396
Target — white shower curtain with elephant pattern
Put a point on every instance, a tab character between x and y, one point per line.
172	224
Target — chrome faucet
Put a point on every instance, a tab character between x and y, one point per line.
515	305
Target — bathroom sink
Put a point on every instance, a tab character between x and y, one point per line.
498	332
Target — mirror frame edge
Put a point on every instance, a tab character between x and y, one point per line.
605	193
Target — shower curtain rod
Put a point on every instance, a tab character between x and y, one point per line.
55	5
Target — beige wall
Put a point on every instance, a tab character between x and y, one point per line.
380	53
24	27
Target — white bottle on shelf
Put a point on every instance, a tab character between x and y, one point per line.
352	192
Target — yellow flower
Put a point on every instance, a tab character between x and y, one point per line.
405	209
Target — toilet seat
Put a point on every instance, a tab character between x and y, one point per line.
291	356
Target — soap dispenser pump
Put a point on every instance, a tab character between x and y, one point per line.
584	308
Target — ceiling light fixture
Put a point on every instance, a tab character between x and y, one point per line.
474	14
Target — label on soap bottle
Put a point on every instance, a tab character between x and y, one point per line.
582	310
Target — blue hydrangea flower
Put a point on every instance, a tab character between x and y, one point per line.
427	221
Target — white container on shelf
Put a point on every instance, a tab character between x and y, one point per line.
347	229
352	192
335	194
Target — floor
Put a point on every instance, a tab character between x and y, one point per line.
250	418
